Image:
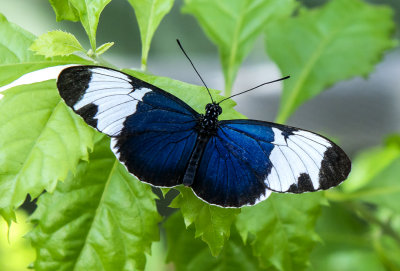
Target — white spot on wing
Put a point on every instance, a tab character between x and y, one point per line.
115	98
313	137
106	73
111	120
308	162
283	170
301	152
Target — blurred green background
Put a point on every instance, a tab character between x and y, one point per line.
358	113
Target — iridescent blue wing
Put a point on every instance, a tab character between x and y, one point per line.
152	132
247	159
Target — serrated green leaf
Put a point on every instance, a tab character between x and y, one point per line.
281	230
56	43
108	222
64	10
149	14
234	25
323	46
15	58
41	139
89	13
212	223
187	253
103	48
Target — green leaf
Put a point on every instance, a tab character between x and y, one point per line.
281	230
347	242
103	48
41	139
374	177
369	164
388	251
187	253
383	190
108	221
15	58
64	10
234	25
149	14
56	43
212	223
89	14
16	253
323	46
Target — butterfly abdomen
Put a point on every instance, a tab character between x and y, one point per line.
195	159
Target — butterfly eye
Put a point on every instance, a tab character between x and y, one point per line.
219	110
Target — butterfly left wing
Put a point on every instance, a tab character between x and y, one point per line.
152	132
247	159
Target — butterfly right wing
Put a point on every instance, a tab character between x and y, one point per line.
247	159
152	132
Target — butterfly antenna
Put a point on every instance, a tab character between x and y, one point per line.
280	79
180	46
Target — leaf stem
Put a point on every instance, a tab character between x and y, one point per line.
366	214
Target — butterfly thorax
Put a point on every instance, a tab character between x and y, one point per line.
208	123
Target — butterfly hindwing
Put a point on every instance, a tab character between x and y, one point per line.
152	132
247	159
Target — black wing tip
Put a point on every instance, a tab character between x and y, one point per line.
72	83
335	167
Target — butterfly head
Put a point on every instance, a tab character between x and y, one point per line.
208	123
213	110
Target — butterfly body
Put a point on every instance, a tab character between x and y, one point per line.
162	141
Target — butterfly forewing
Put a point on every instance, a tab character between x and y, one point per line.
152	131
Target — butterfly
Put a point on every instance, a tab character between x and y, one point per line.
164	142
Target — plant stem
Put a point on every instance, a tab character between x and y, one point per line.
369	216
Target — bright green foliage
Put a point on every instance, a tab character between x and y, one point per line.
383	186
108	222
370	163
212	223
149	14
15	58
41	139
374	180
281	230
234	25
88	12
346	245
64	10
16	252
103	48
102	218
186	253
56	43
320	47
